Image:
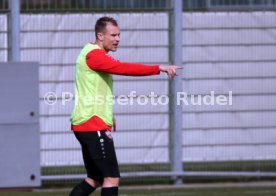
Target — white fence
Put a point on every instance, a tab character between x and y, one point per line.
222	52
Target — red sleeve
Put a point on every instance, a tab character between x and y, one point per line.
100	61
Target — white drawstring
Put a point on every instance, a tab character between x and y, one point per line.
99	133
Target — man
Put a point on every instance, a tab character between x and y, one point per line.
92	118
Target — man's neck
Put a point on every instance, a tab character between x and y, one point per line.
100	44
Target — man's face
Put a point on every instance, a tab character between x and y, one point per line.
110	38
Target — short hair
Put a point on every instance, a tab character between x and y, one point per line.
102	22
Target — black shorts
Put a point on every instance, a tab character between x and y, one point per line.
98	154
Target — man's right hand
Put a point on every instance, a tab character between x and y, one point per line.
170	70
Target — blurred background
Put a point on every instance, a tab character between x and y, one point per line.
225	46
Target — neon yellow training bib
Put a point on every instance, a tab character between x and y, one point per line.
93	91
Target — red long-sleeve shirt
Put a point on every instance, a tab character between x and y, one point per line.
99	60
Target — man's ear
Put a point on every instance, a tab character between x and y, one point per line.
100	36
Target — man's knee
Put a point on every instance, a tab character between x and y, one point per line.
111	182
93	183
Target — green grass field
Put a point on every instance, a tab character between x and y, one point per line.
230	191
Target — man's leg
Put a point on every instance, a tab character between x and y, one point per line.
108	164
94	178
110	186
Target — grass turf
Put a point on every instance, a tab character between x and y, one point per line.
250	191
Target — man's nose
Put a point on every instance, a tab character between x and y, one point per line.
117	38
